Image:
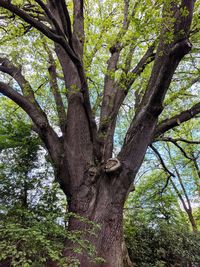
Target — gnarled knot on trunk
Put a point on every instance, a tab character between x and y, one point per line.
112	164
92	171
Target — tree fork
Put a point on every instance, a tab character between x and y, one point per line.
93	191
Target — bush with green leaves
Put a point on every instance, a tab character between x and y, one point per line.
163	245
28	238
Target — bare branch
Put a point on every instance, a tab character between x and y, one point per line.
169	177
176	120
169	139
161	161
182	150
189	208
183	187
147	58
174	141
170	174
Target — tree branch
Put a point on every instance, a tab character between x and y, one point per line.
176	120
169	139
7	67
189	208
114	96
58	13
109	85
29	104
38	117
168	56
68	51
170	174
161	161
65	18
148	57
107	123
50	16
174	141
42	28
78	27
55	90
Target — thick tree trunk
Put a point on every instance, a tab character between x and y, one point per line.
107	241
101	202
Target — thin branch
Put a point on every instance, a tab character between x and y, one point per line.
169	139
174	142
189	208
179	195
166	184
182	150
170	174
161	161
182	186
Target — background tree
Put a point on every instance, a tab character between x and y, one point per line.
81	149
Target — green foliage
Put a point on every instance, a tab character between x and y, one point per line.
30	242
162	245
32	238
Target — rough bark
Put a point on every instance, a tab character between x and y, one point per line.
101	202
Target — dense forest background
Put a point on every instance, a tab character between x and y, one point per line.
162	211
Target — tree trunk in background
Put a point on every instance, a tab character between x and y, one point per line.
191	219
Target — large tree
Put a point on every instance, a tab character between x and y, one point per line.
95	183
